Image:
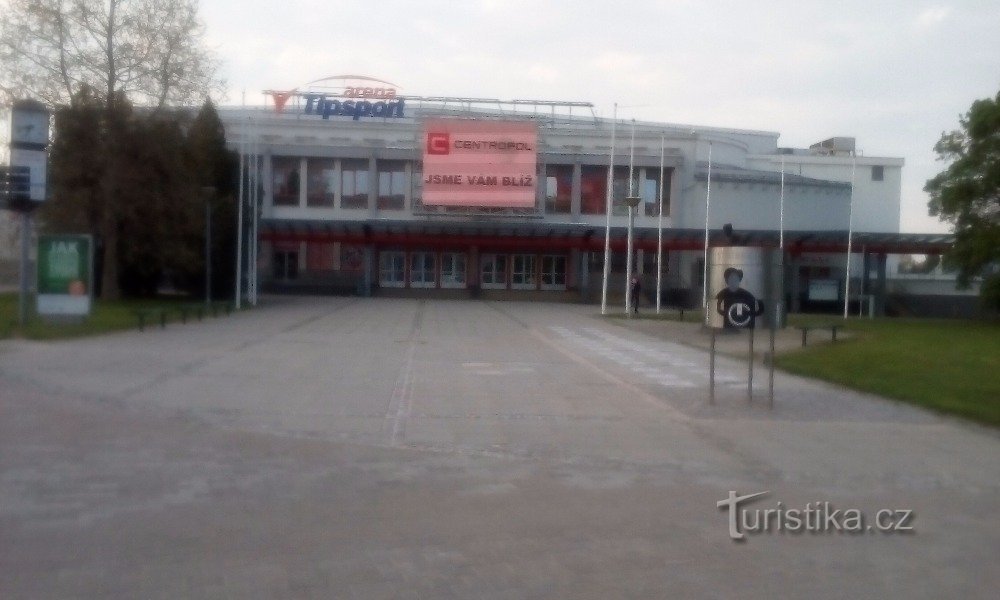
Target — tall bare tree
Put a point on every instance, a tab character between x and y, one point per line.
147	53
150	51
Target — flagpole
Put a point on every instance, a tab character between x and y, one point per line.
607	211
850	235
781	209
237	294
659	234
708	203
256	204
780	301
631	217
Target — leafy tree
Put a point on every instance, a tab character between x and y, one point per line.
967	195
154	223
148	53
213	165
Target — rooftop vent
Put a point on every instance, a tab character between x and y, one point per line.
835	146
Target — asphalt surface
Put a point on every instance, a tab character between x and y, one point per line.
391	448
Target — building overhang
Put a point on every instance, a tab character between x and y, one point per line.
508	235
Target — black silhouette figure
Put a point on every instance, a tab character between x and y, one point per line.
738	307
636	286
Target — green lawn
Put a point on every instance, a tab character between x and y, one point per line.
107	316
949	366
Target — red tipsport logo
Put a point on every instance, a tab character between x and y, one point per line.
438	143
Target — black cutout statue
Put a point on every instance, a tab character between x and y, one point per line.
738	307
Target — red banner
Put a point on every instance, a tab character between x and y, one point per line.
480	163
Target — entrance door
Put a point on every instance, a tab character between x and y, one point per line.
392	269
422	270
452	270
554	272
522	272
493	275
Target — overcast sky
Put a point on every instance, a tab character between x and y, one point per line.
894	74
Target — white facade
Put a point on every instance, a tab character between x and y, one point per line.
366	173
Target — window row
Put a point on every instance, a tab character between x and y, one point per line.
594	189
449	270
348	182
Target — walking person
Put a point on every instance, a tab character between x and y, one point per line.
636	287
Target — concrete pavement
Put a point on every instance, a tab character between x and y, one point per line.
391	448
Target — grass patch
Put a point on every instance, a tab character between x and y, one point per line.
949	366
107	316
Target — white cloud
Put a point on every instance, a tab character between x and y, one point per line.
930	17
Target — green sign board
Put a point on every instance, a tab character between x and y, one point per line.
65	274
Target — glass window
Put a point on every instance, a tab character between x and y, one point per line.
286	264
878	173
650	190
493	269
594	188
522	271
320	182
422	269
558	188
621	189
452	270
392	269
286	180
553	272
392	184
354	183
417	186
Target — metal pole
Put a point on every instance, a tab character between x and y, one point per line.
708	203
781	208
252	261
631	220
659	235
237	293
779	306
628	265
864	275
25	291
607	211
770	375
750	369
711	369
850	234
208	251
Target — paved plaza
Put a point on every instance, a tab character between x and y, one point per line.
402	448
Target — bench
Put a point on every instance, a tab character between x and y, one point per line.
143	313
805	329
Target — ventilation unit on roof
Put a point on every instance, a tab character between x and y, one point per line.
835	146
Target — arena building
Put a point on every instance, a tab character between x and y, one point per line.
364	190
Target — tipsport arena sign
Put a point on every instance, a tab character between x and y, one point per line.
354	96
320	104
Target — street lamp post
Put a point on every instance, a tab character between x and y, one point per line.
631	201
208	191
